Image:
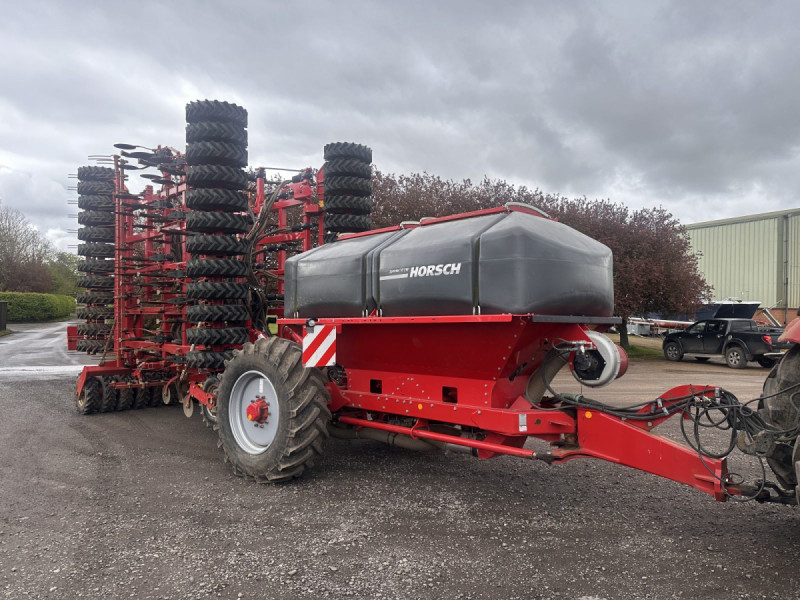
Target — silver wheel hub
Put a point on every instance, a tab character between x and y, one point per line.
253	436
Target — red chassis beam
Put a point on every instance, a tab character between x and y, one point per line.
589	434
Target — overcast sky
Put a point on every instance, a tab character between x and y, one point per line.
694	106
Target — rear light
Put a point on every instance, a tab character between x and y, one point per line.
767	339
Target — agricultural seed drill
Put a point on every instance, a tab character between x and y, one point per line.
273	307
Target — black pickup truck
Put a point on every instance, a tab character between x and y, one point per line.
737	340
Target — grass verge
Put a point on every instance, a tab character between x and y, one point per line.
5	332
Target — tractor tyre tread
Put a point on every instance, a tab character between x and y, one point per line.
356	205
91	188
96	234
347	150
91	346
206	359
91	397
110	397
96	250
348	166
217	199
95	217
216	267
217	313
216	153
217	111
95	297
96	202
347	185
217	337
215	131
347	223
96	266
217	290
94	329
222	222
95	281
215	245
94	173
216	176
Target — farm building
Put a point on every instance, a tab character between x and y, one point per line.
755	257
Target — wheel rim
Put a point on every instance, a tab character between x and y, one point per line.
734	357
253	438
210	415
672	351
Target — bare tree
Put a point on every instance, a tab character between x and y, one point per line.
24	253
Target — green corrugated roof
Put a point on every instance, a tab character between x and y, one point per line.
745	219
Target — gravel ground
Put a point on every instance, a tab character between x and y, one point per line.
140	505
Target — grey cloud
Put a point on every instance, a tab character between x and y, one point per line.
691	106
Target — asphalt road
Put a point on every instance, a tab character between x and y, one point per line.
140	505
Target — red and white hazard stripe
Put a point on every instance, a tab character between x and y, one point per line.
319	346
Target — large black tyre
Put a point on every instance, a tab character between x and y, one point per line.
215	267
673	351
95	217
210	222
216	153
154	398
126	398
356	205
215	245
219	313
96	266
347	150
347	223
140	398
95	297
91	346
91	396
216	110
217	337
92	173
230	178
348	166
206	359
216	290
95	312
110	397
96	234
348	186
211	131
88	188
766	361
735	357
217	199
297	404
780	409
94	329
95	281
104	203
96	250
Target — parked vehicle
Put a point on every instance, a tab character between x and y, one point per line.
738	341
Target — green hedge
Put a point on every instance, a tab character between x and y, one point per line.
23	306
